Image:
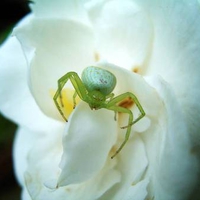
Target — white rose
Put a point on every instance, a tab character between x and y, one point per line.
159	41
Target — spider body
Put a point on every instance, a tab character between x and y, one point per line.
95	88
97	79
96	100
99	84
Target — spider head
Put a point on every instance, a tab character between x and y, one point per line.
96	99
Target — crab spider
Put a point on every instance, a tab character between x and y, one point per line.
95	88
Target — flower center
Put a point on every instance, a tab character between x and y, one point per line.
66	102
126	103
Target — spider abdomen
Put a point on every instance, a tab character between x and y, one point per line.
98	79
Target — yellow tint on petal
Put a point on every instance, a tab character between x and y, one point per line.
67	100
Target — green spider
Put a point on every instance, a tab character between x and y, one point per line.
95	88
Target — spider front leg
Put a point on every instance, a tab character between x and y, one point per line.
78	85
112	105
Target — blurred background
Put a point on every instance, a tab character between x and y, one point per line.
11	11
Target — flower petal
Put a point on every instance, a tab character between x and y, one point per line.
134	154
25	195
55	9
21	152
86	144
166	138
127	29
105	179
132	165
60	46
171	168
15	98
176	54
135	83
32	159
138	192
33	162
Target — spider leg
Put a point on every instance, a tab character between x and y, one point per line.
135	100
115	116
74	99
123	96
79	87
108	99
112	105
123	110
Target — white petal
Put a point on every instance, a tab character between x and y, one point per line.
20	152
138	192
60	46
37	162
175	54
132	165
90	137
59	9
166	139
173	168
99	185
124	33
25	195
16	101
132	82
133	160
42	160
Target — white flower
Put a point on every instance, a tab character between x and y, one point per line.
159	40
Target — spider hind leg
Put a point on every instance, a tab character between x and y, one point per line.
128	132
113	105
